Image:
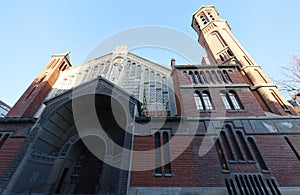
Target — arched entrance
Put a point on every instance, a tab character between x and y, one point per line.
58	158
82	170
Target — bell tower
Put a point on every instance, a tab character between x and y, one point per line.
35	94
222	48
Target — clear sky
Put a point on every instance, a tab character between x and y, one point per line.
31	31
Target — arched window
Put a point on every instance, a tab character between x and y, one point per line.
225	100
192	79
210	77
234	100
207	101
198	101
227	147
197	77
257	154
221	155
203	77
234	142
215	77
221	76
244	145
226	75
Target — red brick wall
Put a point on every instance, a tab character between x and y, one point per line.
8	152
189	169
279	158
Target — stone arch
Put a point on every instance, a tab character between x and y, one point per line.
54	136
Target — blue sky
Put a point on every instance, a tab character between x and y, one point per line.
31	31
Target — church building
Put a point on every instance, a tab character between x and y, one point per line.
122	124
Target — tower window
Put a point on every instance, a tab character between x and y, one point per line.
221	57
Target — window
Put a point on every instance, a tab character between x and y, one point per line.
203	77
230	100
225	101
226	75
192	79
3	139
197	77
207	101
158	170
221	76
167	165
219	149
234	101
166	154
257	154
215	77
210	77
198	101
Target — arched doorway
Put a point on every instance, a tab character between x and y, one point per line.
82	170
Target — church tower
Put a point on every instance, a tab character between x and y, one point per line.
35	94
222	48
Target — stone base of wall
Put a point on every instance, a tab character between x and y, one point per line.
177	190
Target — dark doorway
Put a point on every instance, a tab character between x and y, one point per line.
89	173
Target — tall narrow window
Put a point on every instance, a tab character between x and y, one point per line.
133	70
221	155
167	165
210	77
235	144
192	79
197	77
226	75
234	100
203	77
207	101
292	147
198	101
225	100
244	145
227	147
159	96
257	154
3	139
165	94
215	77
158	170
221	76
